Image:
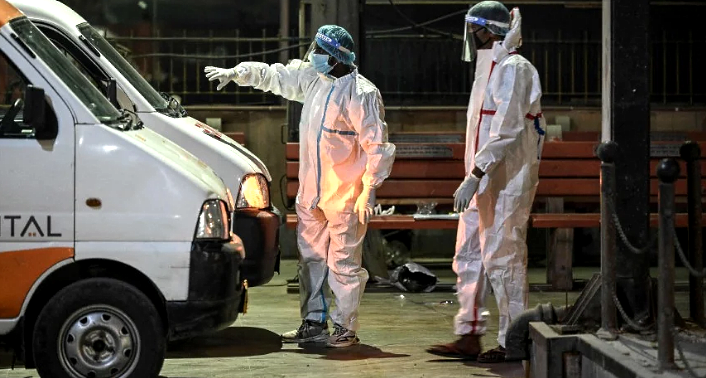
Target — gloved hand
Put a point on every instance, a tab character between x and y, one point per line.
224	75
465	192
365	205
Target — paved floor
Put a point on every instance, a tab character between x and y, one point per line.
396	328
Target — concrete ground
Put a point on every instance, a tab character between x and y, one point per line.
395	330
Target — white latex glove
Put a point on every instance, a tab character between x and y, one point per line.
513	39
465	192
223	75
365	205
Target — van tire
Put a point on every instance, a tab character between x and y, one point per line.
120	319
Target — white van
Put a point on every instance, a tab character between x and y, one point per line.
113	239
256	221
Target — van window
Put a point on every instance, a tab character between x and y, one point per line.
78	65
130	73
12	84
12	88
46	51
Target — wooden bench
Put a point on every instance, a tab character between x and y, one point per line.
237	136
569	175
575	178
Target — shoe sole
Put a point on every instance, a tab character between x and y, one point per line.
314	339
343	345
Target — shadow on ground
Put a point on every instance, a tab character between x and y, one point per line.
352	353
505	369
230	342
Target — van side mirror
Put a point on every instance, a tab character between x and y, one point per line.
35	114
112	92
173	103
35	109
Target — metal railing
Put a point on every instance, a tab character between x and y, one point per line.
175	63
412	69
666	242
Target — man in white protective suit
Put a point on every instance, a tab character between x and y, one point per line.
344	156
503	146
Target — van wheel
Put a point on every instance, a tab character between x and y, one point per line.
96	328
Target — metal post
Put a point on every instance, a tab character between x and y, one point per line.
629	118
668	172
284	30
607	152
691	153
606	111
302	28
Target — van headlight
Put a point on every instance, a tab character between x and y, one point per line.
213	221
254	192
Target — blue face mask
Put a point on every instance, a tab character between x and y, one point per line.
320	62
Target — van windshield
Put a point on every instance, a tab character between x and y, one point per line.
130	73
62	67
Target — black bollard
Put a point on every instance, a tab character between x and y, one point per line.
691	153
668	172
607	152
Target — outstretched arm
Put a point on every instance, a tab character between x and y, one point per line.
288	81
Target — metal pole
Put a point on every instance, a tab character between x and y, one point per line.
630	128
668	172
606	152
606	110
284	30
302	28
691	153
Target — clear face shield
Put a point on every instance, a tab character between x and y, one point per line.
325	45
471	42
314	47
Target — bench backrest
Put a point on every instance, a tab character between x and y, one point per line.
434	170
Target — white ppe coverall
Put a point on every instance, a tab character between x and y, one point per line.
343	147
504	140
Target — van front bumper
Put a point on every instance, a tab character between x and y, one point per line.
259	231
216	291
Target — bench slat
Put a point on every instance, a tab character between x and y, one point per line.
409	169
550	187
561	150
408	151
592	220
237	136
577	136
551	150
396	222
445	169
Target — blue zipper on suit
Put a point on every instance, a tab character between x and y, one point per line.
318	152
541	132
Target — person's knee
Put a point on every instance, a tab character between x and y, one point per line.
346	266
306	259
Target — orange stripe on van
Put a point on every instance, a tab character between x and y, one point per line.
18	272
8	12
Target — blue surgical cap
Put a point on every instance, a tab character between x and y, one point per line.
336	41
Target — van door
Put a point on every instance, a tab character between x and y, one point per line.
36	183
